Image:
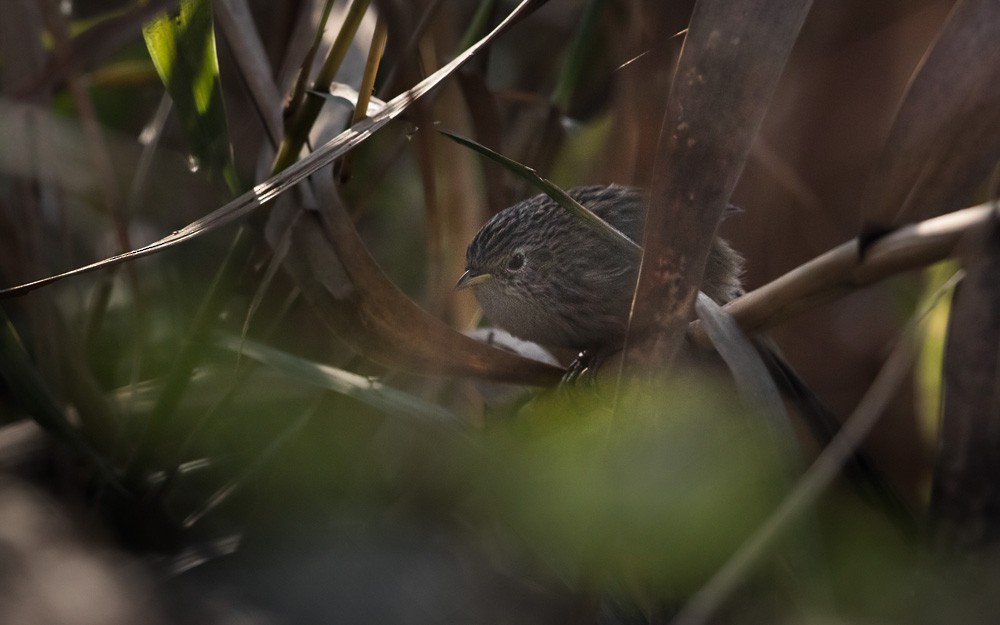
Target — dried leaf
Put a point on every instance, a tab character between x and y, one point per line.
946	136
733	55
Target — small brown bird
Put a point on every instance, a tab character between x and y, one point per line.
546	277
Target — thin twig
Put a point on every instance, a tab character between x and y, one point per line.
375	50
846	268
305	115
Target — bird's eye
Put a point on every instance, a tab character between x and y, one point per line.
516	262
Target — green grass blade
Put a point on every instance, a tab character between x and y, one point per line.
603	228
580	56
29	391
364	389
182	46
265	457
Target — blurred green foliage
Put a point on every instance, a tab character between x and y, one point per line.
546	499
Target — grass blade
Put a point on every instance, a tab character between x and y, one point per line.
295	173
603	228
359	387
182	46
29	391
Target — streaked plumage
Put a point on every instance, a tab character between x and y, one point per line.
545	277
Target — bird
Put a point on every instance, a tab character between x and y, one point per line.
541	273
544	276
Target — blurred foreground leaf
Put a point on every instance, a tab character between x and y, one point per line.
28	390
659	500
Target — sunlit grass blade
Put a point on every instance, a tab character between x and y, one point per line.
296	172
182	46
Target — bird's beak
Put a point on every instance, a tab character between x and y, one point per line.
471	278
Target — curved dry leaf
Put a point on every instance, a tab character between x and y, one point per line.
412	340
371	314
